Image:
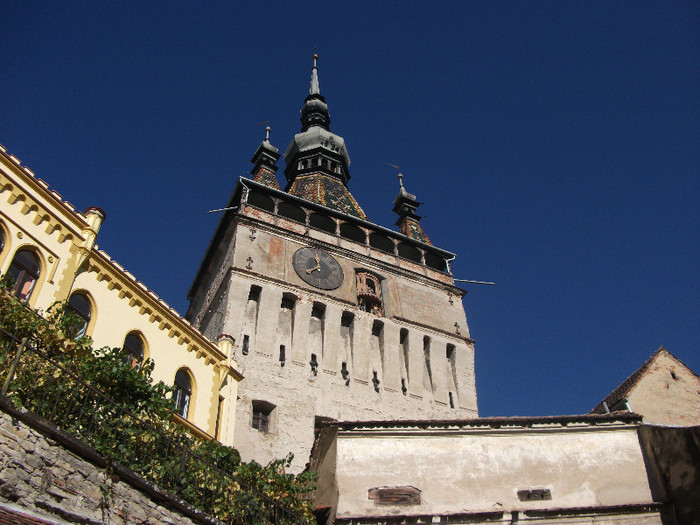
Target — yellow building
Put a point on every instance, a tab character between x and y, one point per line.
49	249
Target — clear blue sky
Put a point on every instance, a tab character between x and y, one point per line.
555	146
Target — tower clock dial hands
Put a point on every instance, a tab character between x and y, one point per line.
318	266
307	260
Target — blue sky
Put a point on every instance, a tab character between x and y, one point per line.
554	146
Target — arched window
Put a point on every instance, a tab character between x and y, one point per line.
79	304
261	201
183	392
316	220
409	252
133	343
381	242
352	232
292	212
435	261
3	236
24	269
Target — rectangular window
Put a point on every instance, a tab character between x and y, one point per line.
428	372
254	293
246	345
262	416
261	421
346	336
288	302
318	311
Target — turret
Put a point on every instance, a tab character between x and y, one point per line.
265	161
405	205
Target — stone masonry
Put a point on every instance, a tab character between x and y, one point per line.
44	477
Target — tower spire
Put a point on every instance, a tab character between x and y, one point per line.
314	89
315	110
405	205
317	159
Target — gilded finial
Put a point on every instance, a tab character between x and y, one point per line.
314	89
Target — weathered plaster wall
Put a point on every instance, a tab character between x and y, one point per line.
300	394
416	378
668	393
483	470
42	476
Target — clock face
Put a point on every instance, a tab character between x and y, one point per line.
318	268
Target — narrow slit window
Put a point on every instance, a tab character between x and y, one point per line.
219	411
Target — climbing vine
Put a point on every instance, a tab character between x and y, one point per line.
97	395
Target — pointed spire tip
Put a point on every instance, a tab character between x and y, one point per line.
314	89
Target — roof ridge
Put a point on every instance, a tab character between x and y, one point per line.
628	384
154	296
495	422
43	184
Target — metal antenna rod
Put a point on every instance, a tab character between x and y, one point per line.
223	209
475	282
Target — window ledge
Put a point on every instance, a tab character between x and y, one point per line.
192	428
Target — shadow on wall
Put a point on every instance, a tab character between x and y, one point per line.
675	453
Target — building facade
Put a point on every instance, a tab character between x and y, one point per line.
333	316
49	250
663	390
557	469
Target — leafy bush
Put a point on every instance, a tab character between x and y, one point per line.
98	396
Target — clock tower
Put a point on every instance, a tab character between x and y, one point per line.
331	315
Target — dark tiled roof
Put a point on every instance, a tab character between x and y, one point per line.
412	228
623	390
267	177
493	422
326	191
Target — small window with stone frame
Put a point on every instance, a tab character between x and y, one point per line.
262	412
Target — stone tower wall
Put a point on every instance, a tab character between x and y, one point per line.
414	360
